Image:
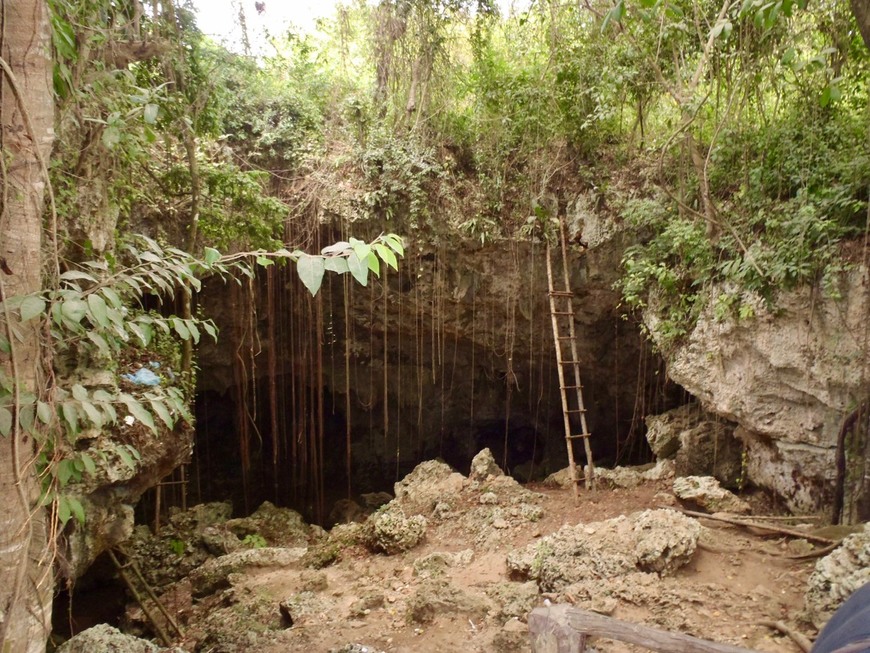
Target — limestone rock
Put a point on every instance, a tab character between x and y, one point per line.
278	526
787	377
514	600
437	563
706	493
837	575
437	597
106	639
214	574
427	484
390	531
658	541
701	443
483	465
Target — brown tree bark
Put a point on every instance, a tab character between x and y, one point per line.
861	10
26	137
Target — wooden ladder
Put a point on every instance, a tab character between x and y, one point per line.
562	315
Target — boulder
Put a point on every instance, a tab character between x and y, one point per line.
105	639
483	465
704	492
390	531
439	597
657	541
701	443
787	376
837	576
427	485
278	526
214	574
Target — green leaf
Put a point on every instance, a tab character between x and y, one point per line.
358	268
310	269
210	329
77	509
65	471
264	262
31	307
99	310
211	255
338	248
142	331
63	511
336	264
150	113
181	328
5	347
614	15
74	310
88	462
111	137
125	457
79	392
5	422
162	412
70	416
93	414
361	249
138	411
100	342
26	417
194	330
387	255
395	243
77	275
374	263
44	412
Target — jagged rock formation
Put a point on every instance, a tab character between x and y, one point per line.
787	377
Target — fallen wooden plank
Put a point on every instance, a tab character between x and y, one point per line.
547	627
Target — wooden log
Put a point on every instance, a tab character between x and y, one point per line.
654	639
551	633
564	629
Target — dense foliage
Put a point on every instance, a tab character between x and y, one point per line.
732	137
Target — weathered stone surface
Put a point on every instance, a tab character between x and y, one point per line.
706	493
106	639
278	526
625	477
837	575
787	377
483	465
390	531
701	443
214	574
658	541
428	483
514	600
438	597
438	562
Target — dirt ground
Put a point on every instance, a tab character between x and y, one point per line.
735	581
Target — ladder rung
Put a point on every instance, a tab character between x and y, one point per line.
571	362
566	337
561	293
575	410
579	435
563	313
572	387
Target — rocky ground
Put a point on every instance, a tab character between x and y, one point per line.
456	563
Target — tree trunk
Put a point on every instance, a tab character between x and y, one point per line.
861	9
27	121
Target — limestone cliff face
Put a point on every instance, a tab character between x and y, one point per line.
787	378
